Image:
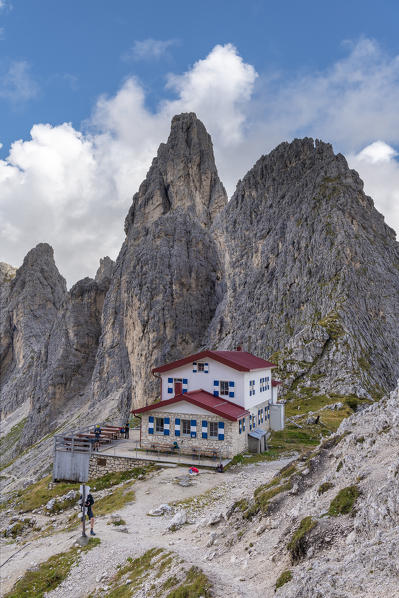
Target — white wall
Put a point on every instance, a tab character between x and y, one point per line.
188	408
259	397
277	416
219	371
197	380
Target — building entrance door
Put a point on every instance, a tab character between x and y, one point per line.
178	386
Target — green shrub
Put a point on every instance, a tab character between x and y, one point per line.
344	502
285	577
297	546
340	466
324	487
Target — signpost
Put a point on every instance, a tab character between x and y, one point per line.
84	492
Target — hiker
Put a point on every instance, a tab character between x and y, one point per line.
127	426
97	432
122	431
220	468
88	504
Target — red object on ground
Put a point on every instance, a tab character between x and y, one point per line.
194	470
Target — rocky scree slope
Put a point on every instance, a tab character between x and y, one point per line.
298	266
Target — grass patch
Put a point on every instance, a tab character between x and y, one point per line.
48	575
113	502
332	324
195	585
284	578
324	488
344	502
262	499
38	494
339	466
298	544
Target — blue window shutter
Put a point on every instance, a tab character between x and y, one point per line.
166	422
221	431
231	394
216	383
170	391
193	428
185	381
170	380
206	368
204	429
177	426
243	425
151	424
231	383
239	426
215	393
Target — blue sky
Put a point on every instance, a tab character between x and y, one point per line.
257	73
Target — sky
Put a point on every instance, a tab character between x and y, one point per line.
88	89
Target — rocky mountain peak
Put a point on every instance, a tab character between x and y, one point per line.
183	177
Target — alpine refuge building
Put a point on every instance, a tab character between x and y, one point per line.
211	402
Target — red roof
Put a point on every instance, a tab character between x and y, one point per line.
238	360
204	399
276	382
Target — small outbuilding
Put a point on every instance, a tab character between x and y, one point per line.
257	440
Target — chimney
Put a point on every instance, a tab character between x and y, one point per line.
238	348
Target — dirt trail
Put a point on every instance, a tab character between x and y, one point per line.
228	574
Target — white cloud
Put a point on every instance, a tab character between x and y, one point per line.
149	49
380	171
17	85
73	189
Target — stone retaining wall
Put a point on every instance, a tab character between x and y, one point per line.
102	464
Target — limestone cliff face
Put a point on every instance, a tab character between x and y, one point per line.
311	272
166	282
67	357
34	297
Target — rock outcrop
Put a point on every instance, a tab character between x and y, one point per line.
306	258
67	357
34	297
166	282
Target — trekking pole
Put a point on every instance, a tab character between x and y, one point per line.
84	511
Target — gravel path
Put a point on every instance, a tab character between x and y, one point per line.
144	532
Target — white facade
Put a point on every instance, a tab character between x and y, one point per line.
247	389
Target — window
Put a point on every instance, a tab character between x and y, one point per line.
159	425
224	387
213	429
201	367
186	427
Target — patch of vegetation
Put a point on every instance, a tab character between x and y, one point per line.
170	582
360	439
117	477
242	505
344	502
331	322
115	501
284	578
298	544
263	497
119	522
339	466
48	575
325	487
195	585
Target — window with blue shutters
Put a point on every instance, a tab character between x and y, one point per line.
204	429
159	425
177	426
151	424
251	388
193	428
221	431
166	423
213	429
